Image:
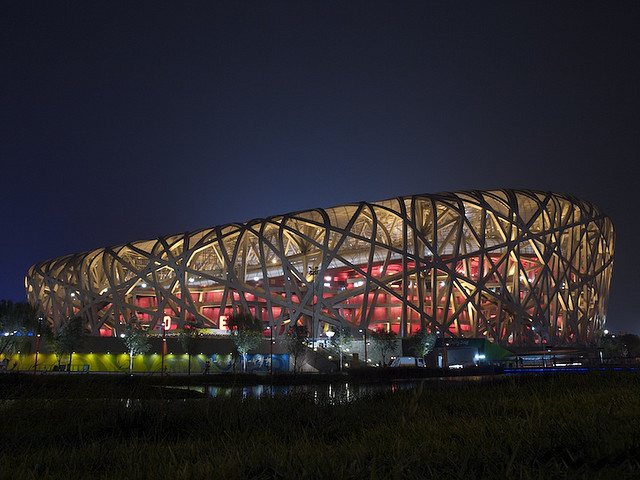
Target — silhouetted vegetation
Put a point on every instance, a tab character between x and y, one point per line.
620	347
385	342
247	334
295	343
187	336
566	426
137	341
423	343
17	320
342	341
65	338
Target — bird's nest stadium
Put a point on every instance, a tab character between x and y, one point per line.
516	267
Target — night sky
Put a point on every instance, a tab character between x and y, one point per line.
126	121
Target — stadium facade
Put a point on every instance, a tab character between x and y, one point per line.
516	267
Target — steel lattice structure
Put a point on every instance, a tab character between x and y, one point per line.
518	267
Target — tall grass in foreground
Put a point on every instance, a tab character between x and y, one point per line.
583	426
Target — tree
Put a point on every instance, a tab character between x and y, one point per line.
424	343
342	341
385	342
137	341
295	343
187	337
622	345
630	344
247	333
66	338
17	320
612	346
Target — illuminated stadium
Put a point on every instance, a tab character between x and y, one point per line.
516	267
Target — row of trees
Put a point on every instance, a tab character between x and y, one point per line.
384	342
16	321
247	334
19	320
626	345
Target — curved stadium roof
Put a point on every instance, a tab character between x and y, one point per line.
514	266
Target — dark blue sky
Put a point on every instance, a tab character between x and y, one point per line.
129	120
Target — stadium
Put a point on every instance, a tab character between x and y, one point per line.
515	267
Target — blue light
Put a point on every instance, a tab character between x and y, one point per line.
564	369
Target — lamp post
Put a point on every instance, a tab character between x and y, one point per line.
366	355
445	353
164	343
330	334
600	355
35	365
313	272
270	327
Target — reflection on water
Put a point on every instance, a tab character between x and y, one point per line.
329	393
322	394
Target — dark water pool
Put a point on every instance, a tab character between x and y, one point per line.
332	393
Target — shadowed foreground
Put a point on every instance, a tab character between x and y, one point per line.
570	426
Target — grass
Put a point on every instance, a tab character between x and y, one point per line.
565	426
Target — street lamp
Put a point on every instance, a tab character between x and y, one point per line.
313	272
35	365
165	323
600	355
270	349
366	355
330	334
552	357
445	353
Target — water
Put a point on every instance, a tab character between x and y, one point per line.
326	393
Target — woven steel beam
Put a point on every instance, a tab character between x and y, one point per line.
517	267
